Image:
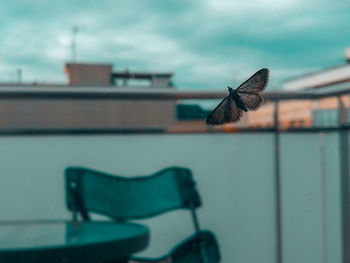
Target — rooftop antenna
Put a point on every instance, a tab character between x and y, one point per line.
19	75
75	30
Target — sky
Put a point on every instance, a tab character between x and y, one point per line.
208	44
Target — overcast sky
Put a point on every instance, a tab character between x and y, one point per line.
207	44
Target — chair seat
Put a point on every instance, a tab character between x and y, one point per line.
201	247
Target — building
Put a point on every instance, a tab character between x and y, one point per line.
86	102
306	113
92	100
102	75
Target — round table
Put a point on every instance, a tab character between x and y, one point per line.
69	242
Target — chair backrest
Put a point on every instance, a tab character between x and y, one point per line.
124	198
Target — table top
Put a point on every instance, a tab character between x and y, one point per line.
66	241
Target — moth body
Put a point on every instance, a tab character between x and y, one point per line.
234	95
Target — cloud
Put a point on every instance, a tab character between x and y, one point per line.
208	44
241	8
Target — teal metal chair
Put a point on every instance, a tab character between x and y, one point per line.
126	198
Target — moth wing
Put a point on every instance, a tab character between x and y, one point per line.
227	111
235	113
217	116
256	83
251	101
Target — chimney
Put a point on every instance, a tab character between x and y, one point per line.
84	74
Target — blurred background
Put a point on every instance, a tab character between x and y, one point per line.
105	84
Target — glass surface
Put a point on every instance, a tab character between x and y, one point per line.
45	235
126	87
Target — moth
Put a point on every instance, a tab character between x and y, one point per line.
245	97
